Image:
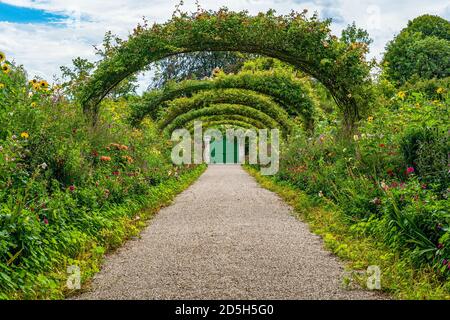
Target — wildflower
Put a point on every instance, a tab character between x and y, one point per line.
72	188
321	194
43	84
33	82
376	201
2	57
94	153
384	186
2	86
401	95
45	220
33	104
128	159
356	137
382	145
440	246
43	166
370	119
105	159
410	170
440	90
116	173
444	262
6	69
25	135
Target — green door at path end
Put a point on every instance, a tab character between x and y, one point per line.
224	152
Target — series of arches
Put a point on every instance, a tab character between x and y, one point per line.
305	43
291	94
241	99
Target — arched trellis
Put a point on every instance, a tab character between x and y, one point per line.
291	93
305	43
221	109
256	124
220	123
204	99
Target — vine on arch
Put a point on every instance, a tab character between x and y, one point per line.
291	93
306	43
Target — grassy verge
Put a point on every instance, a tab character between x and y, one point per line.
358	250
124	221
158	197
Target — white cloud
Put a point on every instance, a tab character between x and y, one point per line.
43	48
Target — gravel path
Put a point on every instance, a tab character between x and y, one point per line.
223	238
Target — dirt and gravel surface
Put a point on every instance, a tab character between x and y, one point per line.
223	238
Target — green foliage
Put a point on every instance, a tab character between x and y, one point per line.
69	191
205	99
291	93
391	182
220	110
77	76
306	43
422	49
195	65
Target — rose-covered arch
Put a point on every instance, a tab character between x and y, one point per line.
221	110
205	99
291	93
227	119
222	123
306	43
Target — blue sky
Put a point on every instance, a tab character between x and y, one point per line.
45	34
16	14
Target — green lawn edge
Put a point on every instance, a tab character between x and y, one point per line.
399	280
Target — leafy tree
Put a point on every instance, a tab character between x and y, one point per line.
353	34
421	49
82	69
196	65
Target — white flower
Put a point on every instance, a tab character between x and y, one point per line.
43	166
321	194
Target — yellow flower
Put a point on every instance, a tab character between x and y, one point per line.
401	95
370	119
440	90
34	104
2	57
2	86
43	84
356	137
36	86
25	135
33	82
6	69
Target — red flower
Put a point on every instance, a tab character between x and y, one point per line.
72	188
116	173
382	145
45	221
410	170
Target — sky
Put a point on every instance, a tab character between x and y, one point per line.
43	35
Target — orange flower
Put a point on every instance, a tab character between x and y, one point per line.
128	158
105	159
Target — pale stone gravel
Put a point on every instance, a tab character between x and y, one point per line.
224	238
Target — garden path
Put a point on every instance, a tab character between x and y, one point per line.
225	237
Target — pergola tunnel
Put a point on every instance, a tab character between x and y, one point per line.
305	43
